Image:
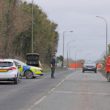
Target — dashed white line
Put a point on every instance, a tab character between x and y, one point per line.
68	76
60	83
37	102
51	91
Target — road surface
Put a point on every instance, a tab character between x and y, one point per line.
70	90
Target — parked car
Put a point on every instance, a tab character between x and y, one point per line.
8	71
89	67
28	71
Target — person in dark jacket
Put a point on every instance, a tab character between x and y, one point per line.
53	64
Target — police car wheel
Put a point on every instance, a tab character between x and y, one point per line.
15	80
41	74
29	74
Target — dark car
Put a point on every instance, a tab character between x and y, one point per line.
89	67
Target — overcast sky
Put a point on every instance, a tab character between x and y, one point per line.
79	15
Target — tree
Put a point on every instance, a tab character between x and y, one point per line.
16	34
60	59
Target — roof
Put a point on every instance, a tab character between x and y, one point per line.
8	60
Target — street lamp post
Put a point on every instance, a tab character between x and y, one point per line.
67	59
32	44
106	30
64	45
68	51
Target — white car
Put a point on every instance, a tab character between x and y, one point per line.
8	71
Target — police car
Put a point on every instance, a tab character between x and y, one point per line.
28	71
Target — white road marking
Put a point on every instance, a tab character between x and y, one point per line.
64	92
68	76
37	102
81	93
51	91
60	83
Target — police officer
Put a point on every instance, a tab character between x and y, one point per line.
53	64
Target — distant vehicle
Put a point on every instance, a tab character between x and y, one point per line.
28	71
8	71
89	67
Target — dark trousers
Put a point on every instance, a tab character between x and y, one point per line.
52	72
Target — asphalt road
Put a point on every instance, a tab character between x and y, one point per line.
68	91
28	91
